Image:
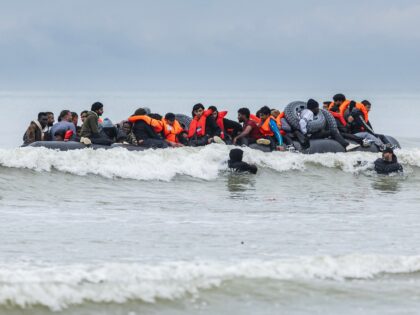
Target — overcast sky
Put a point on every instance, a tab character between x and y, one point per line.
199	44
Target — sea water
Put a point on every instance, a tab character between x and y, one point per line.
174	232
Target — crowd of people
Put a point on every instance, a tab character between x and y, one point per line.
267	127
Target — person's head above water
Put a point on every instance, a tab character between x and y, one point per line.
198	110
236	155
98	108
388	154
313	106
339	99
265	112
243	114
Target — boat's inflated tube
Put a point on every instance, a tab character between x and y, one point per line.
72	145
291	113
184	120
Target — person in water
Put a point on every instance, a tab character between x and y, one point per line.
270	131
63	125
388	163
235	162
307	115
229	128
250	130
203	128
147	130
90	128
35	131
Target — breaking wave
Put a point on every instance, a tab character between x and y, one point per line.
59	287
203	163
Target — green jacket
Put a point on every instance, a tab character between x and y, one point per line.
90	126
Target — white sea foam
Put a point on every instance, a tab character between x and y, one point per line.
58	287
204	163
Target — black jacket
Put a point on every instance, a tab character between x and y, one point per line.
143	131
385	167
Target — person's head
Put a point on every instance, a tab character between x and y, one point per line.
367	104
43	119
243	114
126	127
198	110
170	118
74	118
275	113
65	115
83	115
339	99
258	113
140	112
215	111
236	155
155	116
326	104
313	106
388	154
98	108
59	135
265	112
51	119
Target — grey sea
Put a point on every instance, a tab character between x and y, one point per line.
174	232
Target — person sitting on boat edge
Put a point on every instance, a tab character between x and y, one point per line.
236	164
90	129
35	131
203	128
269	130
250	130
307	115
229	128
388	163
147	130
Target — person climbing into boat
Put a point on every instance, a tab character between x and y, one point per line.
147	130
270	131
171	130
203	128
229	128
64	123
388	163
35	131
307	115
250	130
90	129
236	164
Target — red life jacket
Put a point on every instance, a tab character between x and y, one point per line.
198	125
221	124
339	117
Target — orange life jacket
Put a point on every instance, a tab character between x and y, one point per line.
157	125
221	124
198	125
255	118
278	121
265	127
171	131
345	106
339	117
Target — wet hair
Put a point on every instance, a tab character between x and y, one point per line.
265	110
366	103
63	113
339	98
213	108
197	107
96	106
244	111
155	116
170	116
140	112
41	114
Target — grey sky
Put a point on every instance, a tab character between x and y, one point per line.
197	44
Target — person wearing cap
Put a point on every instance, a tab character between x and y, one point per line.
388	163
236	164
90	129
307	115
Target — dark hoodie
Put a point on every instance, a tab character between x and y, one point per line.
236	163
384	167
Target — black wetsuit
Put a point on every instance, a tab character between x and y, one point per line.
384	167
235	163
